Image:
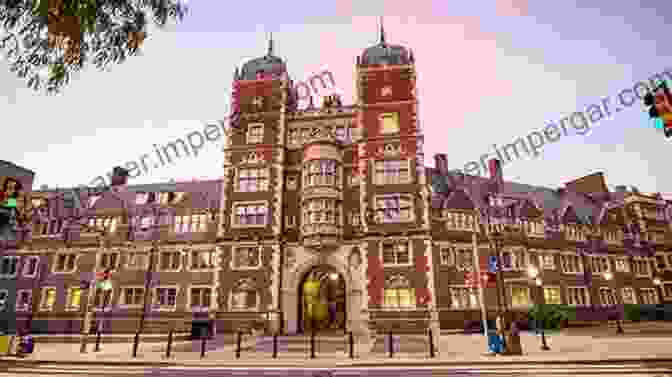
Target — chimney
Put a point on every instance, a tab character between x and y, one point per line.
621	188
119	176
496	177
634	190
441	163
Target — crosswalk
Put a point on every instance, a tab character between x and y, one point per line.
520	370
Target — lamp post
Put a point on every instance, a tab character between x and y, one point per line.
106	286
533	273
148	281
608	276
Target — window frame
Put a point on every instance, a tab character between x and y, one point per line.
25	264
379	176
122	299
100	258
170	268
395	243
17	266
251	137
43	297
211	264
232	263
381	123
612	293
265	178
380	218
586	294
257	203
68	298
29	307
527	288
559	290
253	289
155	298
130	255
99	307
202	308
470	292
541	256
625	265
654	291
633	292
573	255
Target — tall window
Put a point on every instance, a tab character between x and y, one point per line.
24	300
520	296
394	208
30	266
649	296
552	296
318	213
74	298
244	296
390	172
108	261
132	296
464	259
641	266
9	266
578	296
201	260
108	224
607	296
463	298
447	255
629	296
247	257
320	172
65	262
547	261
200	297
515	260
389	123
571	263
398	293
252	180
250	214
170	260
622	265
48	299
101	298
137	260
459	220
396	253
166	297
255	133
600	265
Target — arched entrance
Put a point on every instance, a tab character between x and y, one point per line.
322	299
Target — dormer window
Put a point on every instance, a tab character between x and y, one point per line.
389	123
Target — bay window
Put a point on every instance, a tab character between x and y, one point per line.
320	172
396	253
398	294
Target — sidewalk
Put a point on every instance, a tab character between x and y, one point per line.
455	349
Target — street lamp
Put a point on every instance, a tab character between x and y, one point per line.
106	286
533	273
608	276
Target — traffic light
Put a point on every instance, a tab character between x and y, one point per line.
659	105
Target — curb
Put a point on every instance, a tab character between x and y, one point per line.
334	364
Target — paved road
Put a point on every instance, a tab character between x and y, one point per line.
631	369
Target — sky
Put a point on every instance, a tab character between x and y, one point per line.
489	71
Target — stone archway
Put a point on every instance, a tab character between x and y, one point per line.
294	278
329	300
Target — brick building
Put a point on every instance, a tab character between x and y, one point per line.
338	193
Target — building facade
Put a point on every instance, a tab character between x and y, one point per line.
338	193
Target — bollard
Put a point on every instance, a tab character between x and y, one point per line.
170	343
136	341
431	344
312	344
238	340
275	345
351	340
97	341
389	336
203	340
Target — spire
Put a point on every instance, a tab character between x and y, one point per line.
382	31
270	44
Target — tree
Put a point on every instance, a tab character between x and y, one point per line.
548	316
47	40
